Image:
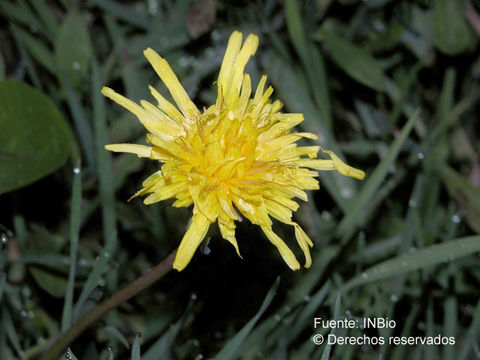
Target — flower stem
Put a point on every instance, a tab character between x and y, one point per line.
144	281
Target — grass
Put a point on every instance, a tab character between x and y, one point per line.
386	85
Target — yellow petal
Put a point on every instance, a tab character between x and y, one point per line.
236	77
163	69
164	192
278	211
153	123
233	48
191	240
317	164
304	242
139	150
167	107
345	169
227	229
283	249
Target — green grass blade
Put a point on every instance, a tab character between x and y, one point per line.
80	119
306	315
433	255
3	280
327	348
471	336
36	48
74	235
122	12
117	335
106	192
450	325
230	349
13	336
136	348
348	224
103	157
312	61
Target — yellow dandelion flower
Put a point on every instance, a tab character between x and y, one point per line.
237	156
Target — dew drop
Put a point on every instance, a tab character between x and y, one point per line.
4	238
23	314
9	233
394	298
206	250
326	215
76	66
412	203
107	255
183	61
195	343
456	219
68	354
346	192
277	317
76	170
83	262
215	35
26	292
306	298
193	297
365	275
101	282
421	156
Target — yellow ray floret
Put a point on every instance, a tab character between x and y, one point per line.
237	158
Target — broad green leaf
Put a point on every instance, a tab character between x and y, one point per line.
230	349
356	62
34	137
451	34
53	284
73	49
433	255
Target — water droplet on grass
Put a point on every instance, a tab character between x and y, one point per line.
76	66
421	156
76	170
456	219
412	203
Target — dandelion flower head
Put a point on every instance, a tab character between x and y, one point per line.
238	157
